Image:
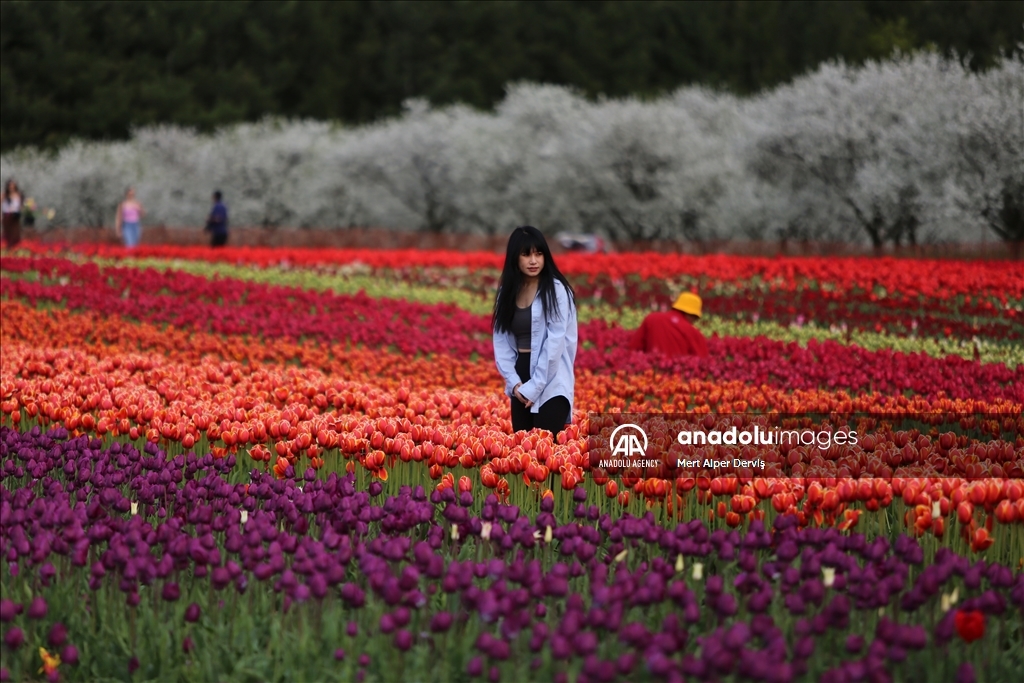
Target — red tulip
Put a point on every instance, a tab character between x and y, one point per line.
981	540
970	625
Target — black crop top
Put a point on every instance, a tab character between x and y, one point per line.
521	324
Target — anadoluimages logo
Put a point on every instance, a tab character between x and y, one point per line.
627	445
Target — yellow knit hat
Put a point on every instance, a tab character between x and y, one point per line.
688	302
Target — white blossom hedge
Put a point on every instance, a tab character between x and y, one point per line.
917	149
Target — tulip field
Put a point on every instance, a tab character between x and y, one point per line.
298	465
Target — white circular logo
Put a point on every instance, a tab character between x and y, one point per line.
628	445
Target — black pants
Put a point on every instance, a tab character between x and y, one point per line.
12	228
219	239
553	414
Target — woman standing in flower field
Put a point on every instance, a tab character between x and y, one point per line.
534	323
129	218
11	213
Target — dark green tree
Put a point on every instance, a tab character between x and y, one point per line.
95	69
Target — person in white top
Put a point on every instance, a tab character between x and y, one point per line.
11	214
535	334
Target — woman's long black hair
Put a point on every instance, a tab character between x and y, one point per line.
521	242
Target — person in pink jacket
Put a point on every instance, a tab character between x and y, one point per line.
128	223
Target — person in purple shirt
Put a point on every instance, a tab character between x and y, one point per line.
217	222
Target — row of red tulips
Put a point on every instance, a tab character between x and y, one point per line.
234	308
906	279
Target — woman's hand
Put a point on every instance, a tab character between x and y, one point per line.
522	398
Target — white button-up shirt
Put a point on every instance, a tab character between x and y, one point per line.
552	353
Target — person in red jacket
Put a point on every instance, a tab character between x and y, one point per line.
672	332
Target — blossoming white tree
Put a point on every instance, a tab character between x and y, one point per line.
915	149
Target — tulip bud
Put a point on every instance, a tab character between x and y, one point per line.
245	517
69	655
58	634
621	556
485	530
828	576
547	535
698	571
455	532
14	638
954	597
945	603
8	610
936	510
171	591
403	640
679	564
135	508
38	609
192	613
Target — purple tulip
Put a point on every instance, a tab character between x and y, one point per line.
475	667
441	622
187	645
403	640
46	573
725	606
658	664
5	675
804	648
37	610
133	665
8	610
171	591
69	655
795	604
352	629
58	634
965	674
737	636
192	613
14	638
364	660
